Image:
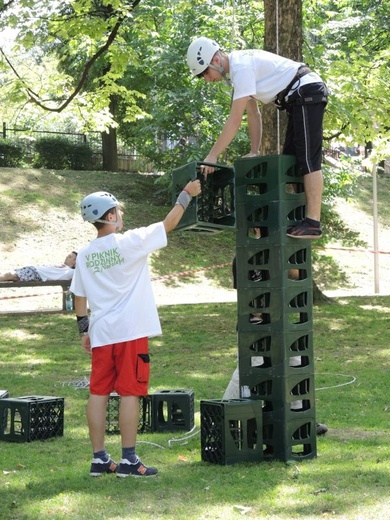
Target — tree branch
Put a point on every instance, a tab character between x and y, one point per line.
4	7
35	97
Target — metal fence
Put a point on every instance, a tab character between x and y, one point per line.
128	157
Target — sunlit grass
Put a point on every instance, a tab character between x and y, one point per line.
348	480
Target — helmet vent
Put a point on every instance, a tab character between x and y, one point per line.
199	58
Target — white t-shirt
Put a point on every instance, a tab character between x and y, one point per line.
112	273
55	272
262	74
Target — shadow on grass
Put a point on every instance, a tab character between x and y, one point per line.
198	350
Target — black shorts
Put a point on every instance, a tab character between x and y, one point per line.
304	127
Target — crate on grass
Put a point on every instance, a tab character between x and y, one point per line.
30	418
112	414
213	210
231	431
3	395
172	410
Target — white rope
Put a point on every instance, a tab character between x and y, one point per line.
183	440
233	35
277	52
352	380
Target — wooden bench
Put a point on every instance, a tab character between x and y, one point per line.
65	284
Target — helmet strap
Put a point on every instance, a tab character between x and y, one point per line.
221	70
116	223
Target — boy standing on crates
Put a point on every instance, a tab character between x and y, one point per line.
112	277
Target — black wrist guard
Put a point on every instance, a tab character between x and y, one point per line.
82	323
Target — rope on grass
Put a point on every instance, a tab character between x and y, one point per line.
28	295
183	440
352	380
78	384
352	250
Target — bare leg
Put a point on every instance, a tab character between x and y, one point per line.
314	185
11	276
128	419
96	415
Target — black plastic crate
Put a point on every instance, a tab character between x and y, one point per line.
30	418
3	395
112	414
172	410
214	209
231	431
292	439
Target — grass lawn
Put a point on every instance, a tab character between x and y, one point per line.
349	479
41	355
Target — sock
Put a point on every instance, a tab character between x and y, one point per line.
129	454
102	454
313	223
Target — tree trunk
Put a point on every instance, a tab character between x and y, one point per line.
109	144
283	35
319	297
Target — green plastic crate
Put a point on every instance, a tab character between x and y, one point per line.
231	431
214	209
268	178
274	266
290	440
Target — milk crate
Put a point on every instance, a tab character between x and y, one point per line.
3	395
231	431
30	418
213	209
172	410
112	414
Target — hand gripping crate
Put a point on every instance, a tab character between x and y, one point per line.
112	414
30	418
213	210
231	431
172	410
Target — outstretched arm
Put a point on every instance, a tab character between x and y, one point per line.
255	126
229	130
192	189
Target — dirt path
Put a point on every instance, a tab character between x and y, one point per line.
37	248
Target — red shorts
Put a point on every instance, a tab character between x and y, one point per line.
123	367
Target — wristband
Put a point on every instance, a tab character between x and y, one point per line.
183	200
83	324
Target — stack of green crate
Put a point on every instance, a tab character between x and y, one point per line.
276	348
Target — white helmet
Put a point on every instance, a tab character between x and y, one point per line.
96	204
200	53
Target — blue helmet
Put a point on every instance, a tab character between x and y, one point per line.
95	205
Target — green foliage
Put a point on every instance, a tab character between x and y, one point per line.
11	154
60	153
144	69
348	43
185	114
